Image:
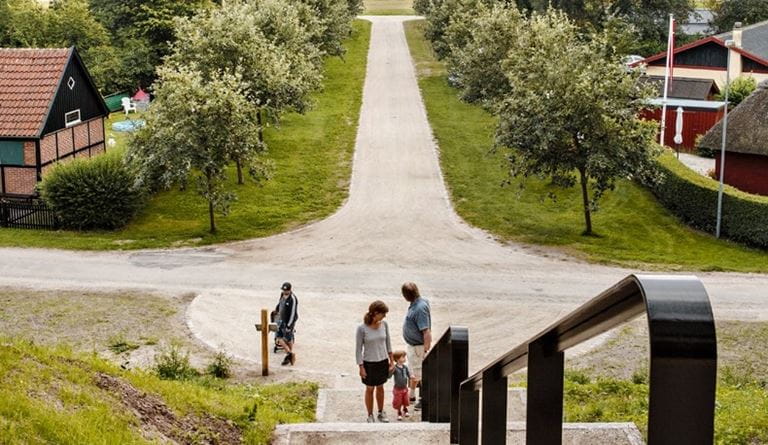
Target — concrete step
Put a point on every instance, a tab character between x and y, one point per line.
438	433
346	405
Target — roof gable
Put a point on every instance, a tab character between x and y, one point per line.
701	42
76	91
30	81
685	87
754	39
747	126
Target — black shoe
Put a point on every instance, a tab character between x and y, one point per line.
417	407
287	359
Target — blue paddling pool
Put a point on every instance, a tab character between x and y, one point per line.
128	126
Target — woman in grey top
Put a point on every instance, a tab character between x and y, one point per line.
373	351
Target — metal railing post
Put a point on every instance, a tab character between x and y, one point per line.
494	400
544	407
469	415
460	372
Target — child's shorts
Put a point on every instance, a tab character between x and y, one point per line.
400	398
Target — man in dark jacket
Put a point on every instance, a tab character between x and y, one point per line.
287	312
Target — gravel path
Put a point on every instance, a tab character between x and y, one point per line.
696	163
397	225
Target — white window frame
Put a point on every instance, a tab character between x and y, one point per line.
74	122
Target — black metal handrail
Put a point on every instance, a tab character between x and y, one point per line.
683	361
444	368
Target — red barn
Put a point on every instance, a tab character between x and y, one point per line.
746	146
50	111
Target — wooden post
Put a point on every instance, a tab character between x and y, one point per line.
264	347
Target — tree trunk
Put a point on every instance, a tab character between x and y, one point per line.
261	127
585	197
210	203
239	172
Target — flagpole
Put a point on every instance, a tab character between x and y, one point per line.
670	52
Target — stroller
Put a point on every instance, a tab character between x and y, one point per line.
277	347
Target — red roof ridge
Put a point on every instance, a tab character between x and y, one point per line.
700	42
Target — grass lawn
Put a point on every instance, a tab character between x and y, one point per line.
610	383
52	395
632	228
312	154
388	7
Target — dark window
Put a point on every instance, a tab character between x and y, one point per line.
12	152
72	118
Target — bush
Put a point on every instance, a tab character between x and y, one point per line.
221	366
704	152
171	363
693	198
97	193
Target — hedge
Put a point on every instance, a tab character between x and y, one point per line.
693	198
98	193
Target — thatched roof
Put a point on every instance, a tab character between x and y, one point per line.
747	126
684	87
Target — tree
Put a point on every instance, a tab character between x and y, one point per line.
150	22
645	20
738	90
727	13
264	44
71	24
195	128
571	112
23	23
328	22
477	44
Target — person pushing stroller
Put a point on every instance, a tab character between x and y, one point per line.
286	313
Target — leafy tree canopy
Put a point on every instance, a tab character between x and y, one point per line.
262	42
477	43
571	112
728	12
195	128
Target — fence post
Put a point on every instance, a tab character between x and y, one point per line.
494	400
264	346
544	407
469	412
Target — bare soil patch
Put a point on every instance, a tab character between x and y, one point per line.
126	327
158	420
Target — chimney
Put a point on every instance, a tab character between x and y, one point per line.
737	34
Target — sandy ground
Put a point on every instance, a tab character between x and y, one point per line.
397	225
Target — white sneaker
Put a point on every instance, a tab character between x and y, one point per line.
371	419
383	417
407	414
399	417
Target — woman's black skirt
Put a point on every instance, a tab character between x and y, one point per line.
377	373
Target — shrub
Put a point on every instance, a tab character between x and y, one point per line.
97	193
221	366
171	363
693	198
704	152
738	90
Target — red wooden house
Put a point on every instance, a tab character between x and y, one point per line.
50	111
746	145
695	97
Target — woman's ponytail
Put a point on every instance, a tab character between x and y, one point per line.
377	307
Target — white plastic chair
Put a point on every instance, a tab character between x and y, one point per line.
128	105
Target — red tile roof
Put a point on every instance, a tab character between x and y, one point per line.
28	82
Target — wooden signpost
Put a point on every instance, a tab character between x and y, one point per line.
271	327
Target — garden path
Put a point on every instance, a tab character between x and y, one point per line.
397	225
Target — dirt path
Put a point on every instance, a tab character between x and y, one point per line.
397	225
